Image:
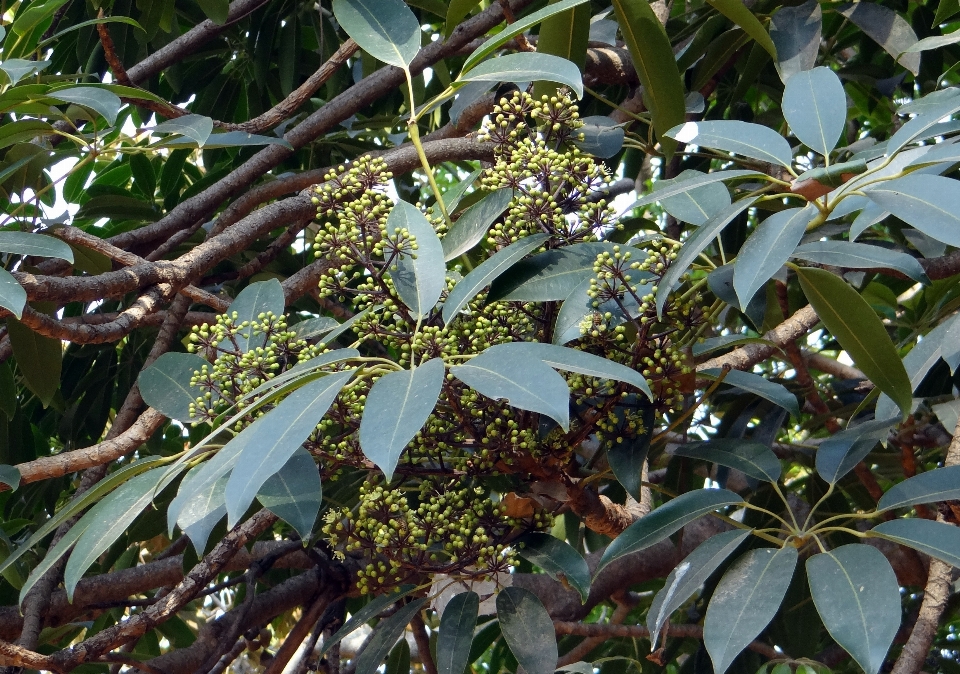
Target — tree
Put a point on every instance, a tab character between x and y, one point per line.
438	335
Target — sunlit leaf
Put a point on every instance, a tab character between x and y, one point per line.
750	140
527	67
472	225
385	29
765	251
815	107
420	277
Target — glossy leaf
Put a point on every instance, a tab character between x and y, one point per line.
420	277
28	243
103	102
313	327
929	112
526	67
472	226
684	186
939	484
626	458
558	559
886	28
856	326
565	35
165	385
776	393
39	359
195	127
452	197
397	407
934	42
929	203
201	514
745	601
273	438
294	493
696	205
689	575
737	12
255	299
665	520
941	152
753	459
528	630
838	454
750	140
815	106
385	635
795	32
455	636
385	29
601	137
549	276
524	382
374	608
857	596
12	294
937	539
765	251
486	272
860	256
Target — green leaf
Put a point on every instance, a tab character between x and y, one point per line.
939	153
765	251
398	661
349	323
750	140
528	630
681	187
778	394
53	556
626	458
165	385
929	111
929	203
365	614
726	342
385	29
934	42
600	136
946	10
10	476
103	102
456	633
471	227
815	107
90	22
229	139
795	32
216	10
28	243
696	205
689	575
195	127
737	12
745	601
397	407
937	539
860	256
23	131
385	635
201	513
856	326
579	306
35	14
886	28
558	559
273	439
421	277
753	459
694	245
665	520
486	272
514	29
549	276
939	484
452	197
17	69
200	481
294	492
313	327
255	299
526	383
39	359
144	177
457	11
525	67
857	596
652	56
8	391
565	35
12	294
838	454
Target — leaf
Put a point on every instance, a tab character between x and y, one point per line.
365	614
202	513
10	476
471	227
665	520
934	42
579	305
452	197
946	10
421	277
549	276
39	359
778	394
103	102
397	407
795	32
486	272
725	342
837	455
860	256
694	245
83	24
385	635
334	334
195	127
526	67
626	458
398	662
385	29
696	205
526	383
457	10
230	139
753	459
52	556
750	140
929	203
17	69
937	539
34	15
215	10
28	243
939	484
689	575
815	107
528	630
601	136
745	601
737	12
565	35
313	327
688	185
272	439
887	28
456	633
856	326
558	559
652	56
765	251
294	493
12	294
257	298
941	152
107	521
165	385
8	391
930	110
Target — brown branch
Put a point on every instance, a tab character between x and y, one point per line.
423	644
17	656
